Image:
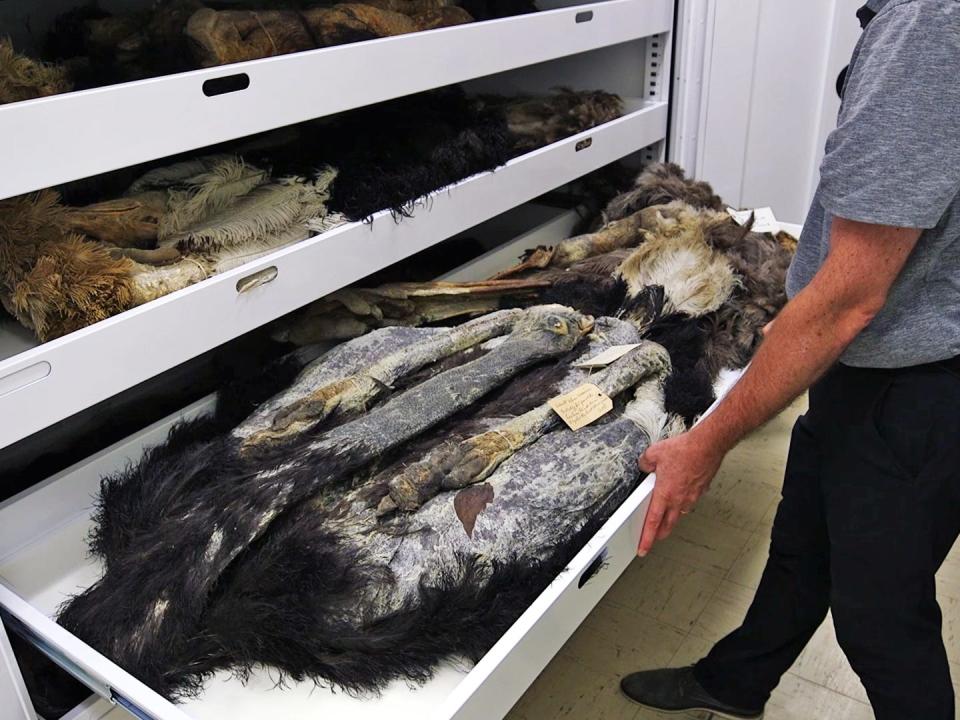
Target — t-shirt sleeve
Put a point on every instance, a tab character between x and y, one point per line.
894	158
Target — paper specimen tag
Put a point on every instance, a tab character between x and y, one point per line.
607	357
764	220
578	408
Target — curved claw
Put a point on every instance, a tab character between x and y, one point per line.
452	467
480	456
300	416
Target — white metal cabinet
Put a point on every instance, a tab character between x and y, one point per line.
42	549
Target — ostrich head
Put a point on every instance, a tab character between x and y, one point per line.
555	325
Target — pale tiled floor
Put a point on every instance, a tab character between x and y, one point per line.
669	608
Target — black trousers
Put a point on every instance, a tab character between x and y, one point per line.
870	509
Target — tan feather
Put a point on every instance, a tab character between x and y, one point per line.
209	193
696	279
22	78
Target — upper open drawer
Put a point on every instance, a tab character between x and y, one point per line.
65	137
42	384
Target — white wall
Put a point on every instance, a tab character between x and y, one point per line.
768	97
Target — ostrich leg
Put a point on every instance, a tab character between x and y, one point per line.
143	612
454	466
307	406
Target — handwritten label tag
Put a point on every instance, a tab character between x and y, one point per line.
578	408
764	220
607	357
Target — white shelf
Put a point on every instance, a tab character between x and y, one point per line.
43	561
52	381
57	139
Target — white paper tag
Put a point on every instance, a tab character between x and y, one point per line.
607	357
764	220
578	408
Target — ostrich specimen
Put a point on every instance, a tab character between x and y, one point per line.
65	268
22	78
101	48
217	503
396	596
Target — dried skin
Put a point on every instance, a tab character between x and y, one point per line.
229	36
456	465
125	222
357	391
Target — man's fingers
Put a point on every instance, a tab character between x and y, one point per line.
651	525
646	463
668	523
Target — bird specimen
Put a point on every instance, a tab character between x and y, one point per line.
213	502
183	223
22	78
540	120
65	268
89	46
695	280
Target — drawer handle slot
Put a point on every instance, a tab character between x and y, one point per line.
226	84
584	144
593	569
251	282
21	378
585	16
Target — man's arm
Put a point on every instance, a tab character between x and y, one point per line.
809	335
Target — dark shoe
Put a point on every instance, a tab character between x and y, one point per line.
677	690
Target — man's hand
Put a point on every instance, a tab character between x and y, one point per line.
684	465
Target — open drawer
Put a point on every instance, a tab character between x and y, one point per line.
42	384
43	560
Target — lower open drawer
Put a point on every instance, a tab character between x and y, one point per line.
43	560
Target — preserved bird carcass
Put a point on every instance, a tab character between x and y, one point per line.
66	267
209	504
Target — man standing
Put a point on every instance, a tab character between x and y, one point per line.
871	495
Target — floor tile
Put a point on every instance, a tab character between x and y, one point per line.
799	699
672	592
823	662
948	579
704	543
691	650
950	606
736	498
724	613
568	690
748	568
617	640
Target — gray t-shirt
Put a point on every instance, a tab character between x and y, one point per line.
894	159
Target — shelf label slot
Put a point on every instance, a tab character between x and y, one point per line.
226	84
